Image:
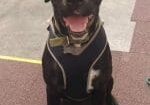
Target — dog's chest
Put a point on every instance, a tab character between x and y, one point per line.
76	68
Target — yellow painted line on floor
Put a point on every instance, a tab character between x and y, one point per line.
18	59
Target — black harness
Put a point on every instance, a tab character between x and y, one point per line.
78	70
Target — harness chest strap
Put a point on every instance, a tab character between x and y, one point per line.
91	75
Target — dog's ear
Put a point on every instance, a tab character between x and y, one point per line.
47	0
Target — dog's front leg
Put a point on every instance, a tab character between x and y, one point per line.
52	97
102	94
103	84
98	98
51	79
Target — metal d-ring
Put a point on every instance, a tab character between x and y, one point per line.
148	81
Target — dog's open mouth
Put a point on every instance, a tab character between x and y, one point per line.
78	25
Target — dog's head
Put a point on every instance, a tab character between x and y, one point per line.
77	16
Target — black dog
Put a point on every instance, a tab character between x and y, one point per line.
77	63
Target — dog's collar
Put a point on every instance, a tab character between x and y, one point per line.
56	40
65	41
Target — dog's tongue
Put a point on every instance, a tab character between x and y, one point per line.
76	23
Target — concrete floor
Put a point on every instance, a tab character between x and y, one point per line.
119	27
23	26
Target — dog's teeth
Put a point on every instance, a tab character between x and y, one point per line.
77	45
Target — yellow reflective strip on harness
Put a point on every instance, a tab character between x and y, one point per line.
26	60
